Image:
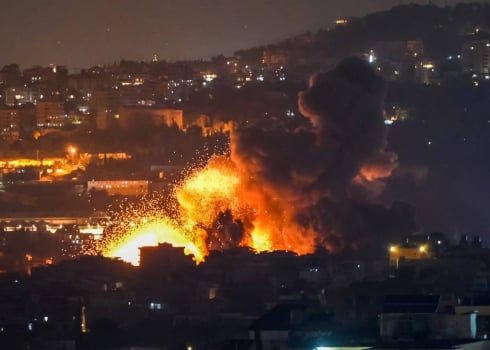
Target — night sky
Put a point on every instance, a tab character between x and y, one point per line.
84	33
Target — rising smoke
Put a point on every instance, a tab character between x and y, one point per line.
287	186
321	179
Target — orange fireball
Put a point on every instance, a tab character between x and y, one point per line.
266	224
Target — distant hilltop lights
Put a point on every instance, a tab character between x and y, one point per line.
341	21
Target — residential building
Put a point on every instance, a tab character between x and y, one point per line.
120	187
151	116
476	55
50	114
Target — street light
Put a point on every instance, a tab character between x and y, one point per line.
72	151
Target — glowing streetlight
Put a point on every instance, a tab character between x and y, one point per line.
72	150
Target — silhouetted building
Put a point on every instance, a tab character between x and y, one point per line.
120	187
271	330
18	120
50	114
415	48
16	96
418	317
165	258
10	76
476	55
274	58
137	116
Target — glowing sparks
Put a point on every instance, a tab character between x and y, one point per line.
215	208
281	185
147	224
208	191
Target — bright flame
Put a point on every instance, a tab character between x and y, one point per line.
150	234
209	191
216	208
260	241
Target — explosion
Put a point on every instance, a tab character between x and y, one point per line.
214	212
284	186
149	234
143	225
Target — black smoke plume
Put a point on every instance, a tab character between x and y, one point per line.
327	172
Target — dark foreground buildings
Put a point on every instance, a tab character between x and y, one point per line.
237	299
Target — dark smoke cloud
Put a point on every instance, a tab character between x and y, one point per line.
225	232
327	172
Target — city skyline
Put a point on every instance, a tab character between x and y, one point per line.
90	33
327	191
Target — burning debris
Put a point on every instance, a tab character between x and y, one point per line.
289	188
